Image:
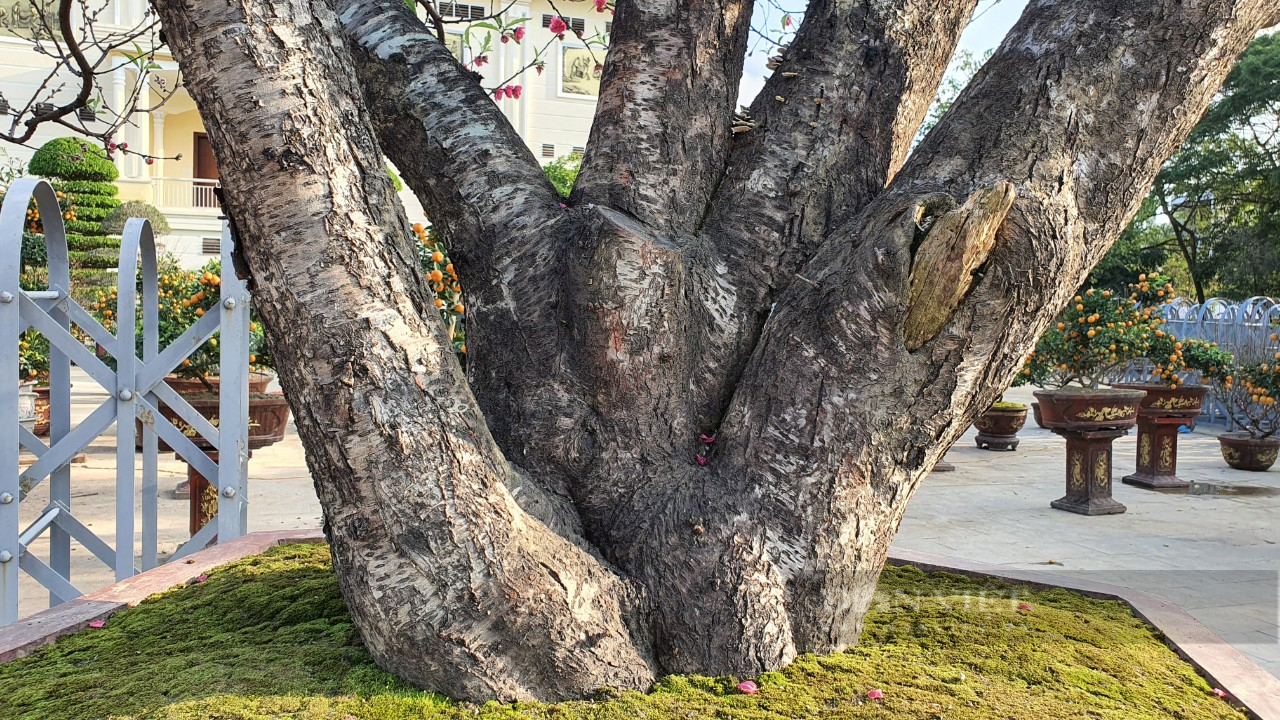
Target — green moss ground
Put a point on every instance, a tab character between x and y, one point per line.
269	637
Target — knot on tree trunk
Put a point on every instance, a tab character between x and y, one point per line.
954	244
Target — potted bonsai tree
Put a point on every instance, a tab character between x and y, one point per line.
1248	392
1097	334
185	297
33	371
1170	402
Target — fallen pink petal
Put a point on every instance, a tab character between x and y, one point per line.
876	694
202	578
1024	607
748	687
701	460
97	623
1220	692
708	439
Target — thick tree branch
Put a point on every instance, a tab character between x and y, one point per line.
477	180
500	216
836	120
836	422
661	131
453	585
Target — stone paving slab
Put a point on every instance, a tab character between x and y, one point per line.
1217	556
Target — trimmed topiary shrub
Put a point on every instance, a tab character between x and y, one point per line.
84	174
89	187
34	253
114	222
72	159
83	243
93	259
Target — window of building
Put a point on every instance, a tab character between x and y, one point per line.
465	12
211	246
548	151
579	150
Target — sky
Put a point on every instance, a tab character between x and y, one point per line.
991	20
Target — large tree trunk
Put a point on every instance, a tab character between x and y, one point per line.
835	323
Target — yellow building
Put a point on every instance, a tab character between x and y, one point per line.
553	113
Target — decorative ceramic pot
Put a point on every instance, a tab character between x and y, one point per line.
1164	401
1080	409
42	411
268	418
1245	452
1163	410
258	383
1089	420
1035	412
998	427
27	405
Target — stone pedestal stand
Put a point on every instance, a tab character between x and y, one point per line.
204	497
1089	472
1157	453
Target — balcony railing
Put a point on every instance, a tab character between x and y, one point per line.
195	193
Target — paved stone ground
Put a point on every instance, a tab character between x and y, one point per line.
1218	556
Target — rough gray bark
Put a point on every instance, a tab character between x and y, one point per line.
452	584
552	533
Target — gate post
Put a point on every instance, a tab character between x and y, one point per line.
233	398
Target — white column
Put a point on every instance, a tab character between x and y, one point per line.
119	97
157	143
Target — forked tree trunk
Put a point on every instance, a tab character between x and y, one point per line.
835	323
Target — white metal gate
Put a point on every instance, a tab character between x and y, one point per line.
136	389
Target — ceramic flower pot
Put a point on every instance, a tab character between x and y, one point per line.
268	418
1163	410
258	383
42	411
1163	401
1035	412
998	427
27	405
1245	452
1089	419
1083	409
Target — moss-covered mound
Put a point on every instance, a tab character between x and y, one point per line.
269	637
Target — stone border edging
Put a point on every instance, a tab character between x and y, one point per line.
44	628
1247	685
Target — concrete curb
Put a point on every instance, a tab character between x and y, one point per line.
1247	685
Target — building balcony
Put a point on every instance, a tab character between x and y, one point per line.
186	195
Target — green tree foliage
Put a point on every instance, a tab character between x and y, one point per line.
114	222
1142	247
69	158
563	172
1218	198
